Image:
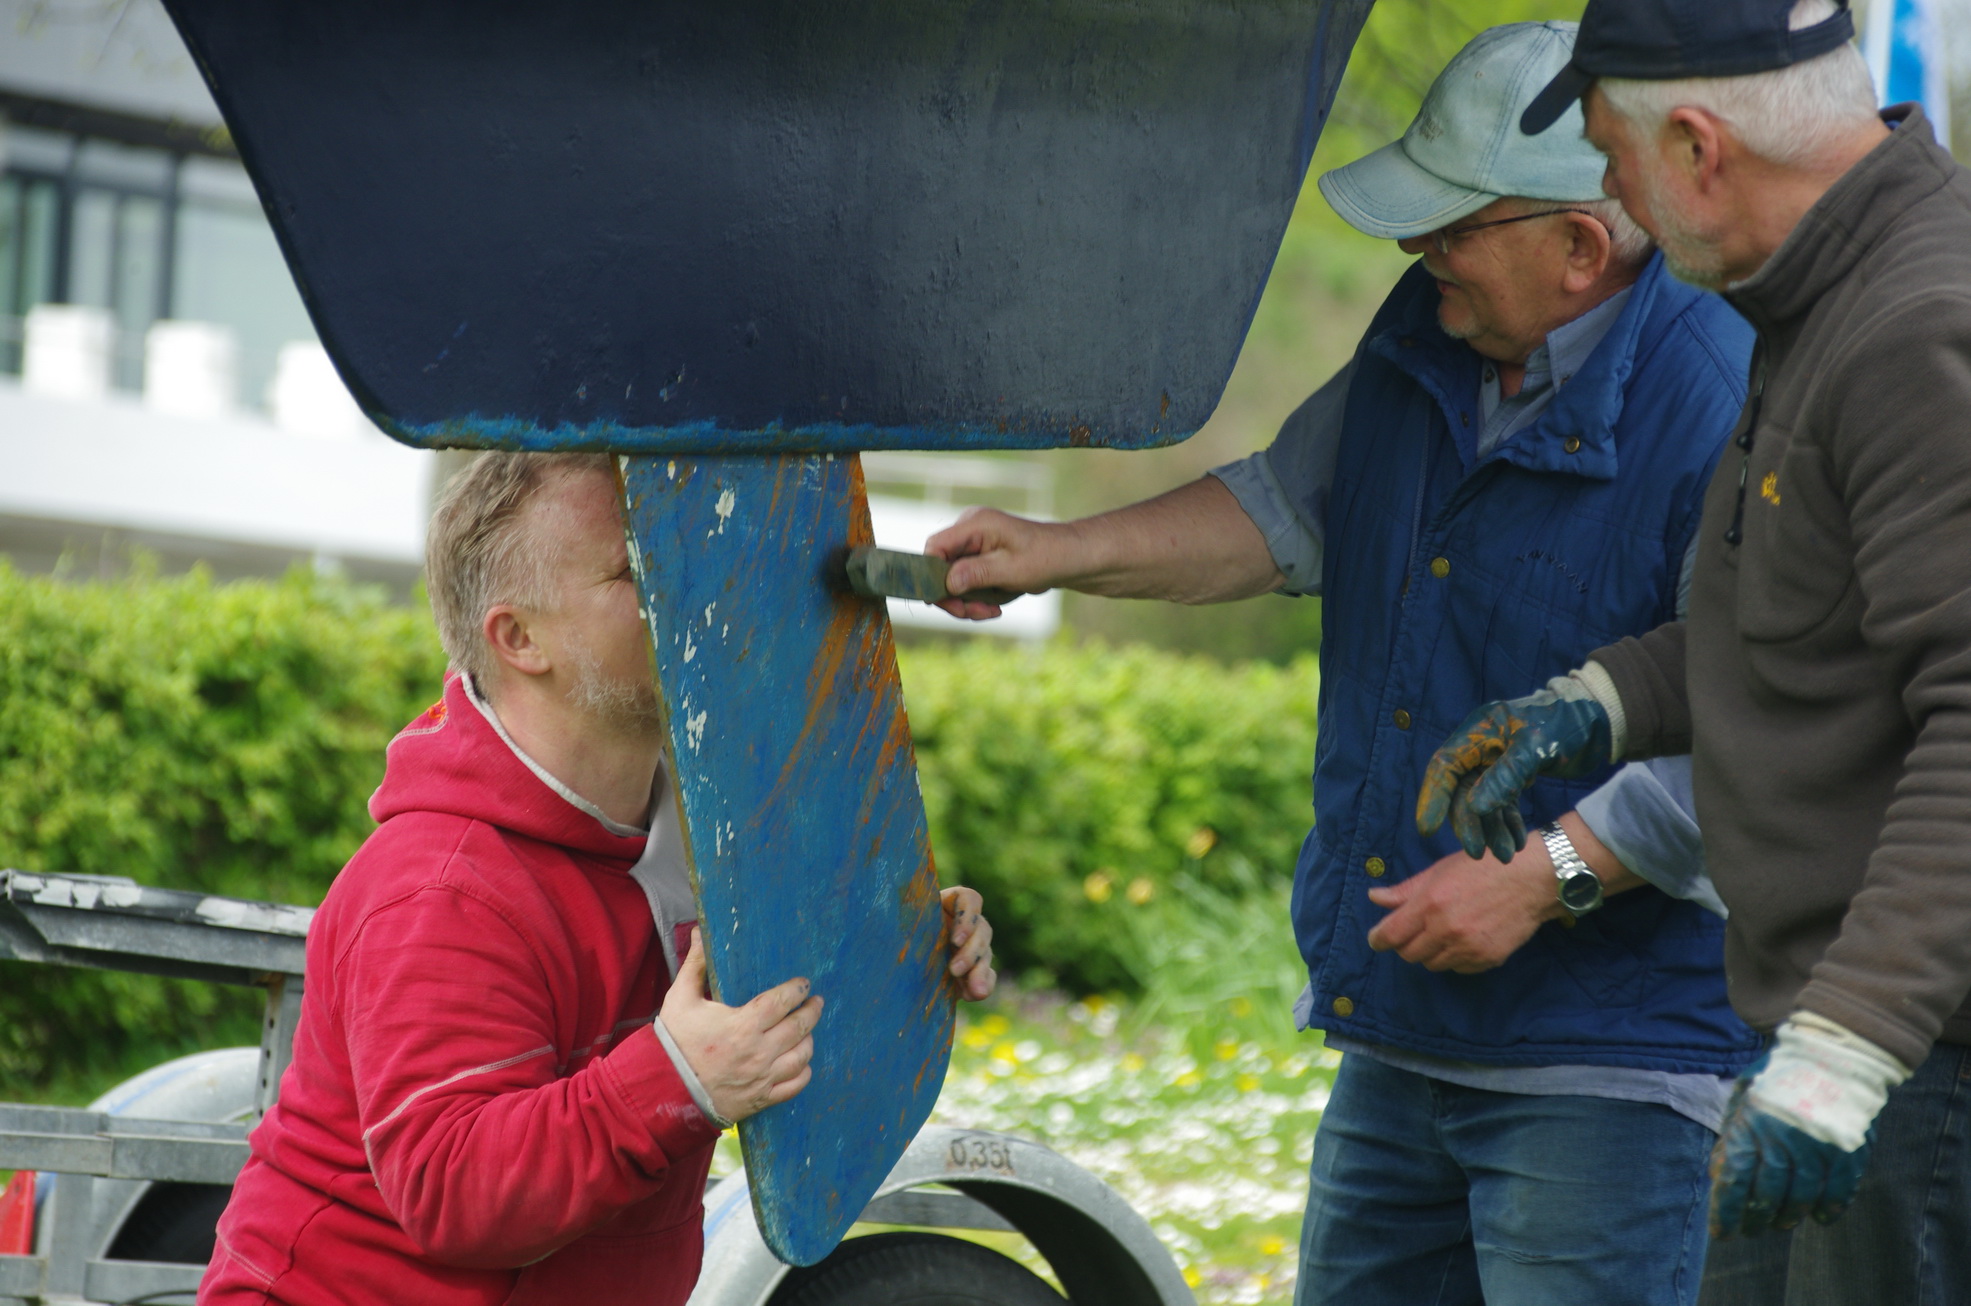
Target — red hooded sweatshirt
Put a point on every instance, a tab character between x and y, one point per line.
478	1110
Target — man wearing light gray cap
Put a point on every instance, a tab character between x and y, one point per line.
1508	473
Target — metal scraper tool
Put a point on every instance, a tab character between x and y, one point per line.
888	573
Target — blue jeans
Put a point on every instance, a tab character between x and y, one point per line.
1907	1239
1429	1194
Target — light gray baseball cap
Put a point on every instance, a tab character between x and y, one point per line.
1465	148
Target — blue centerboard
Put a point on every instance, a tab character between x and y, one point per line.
797	788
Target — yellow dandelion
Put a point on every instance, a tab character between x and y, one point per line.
1247	1083
1007	1053
1241	1007
1189	1079
1099	886
995	1025
1192	1277
1272	1245
1202	841
1132	1064
1141	890
1226	1049
976	1038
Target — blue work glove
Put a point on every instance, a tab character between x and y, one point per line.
1476	775
1797	1132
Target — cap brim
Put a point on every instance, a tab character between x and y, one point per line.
1387	194
1569	84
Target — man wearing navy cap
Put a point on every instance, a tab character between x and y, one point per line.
1822	680
1507	474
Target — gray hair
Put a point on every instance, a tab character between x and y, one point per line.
1789	116
1629	245
481	549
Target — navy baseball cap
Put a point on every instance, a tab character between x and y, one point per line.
1660	40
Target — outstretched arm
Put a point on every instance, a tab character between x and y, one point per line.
1250	527
1192	545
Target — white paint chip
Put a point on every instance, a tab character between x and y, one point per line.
270	917
727	501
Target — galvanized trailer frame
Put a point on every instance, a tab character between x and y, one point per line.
1103	1252
113	923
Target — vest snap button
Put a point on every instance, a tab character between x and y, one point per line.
1572	444
1343	1007
1401	718
1374	866
1440	567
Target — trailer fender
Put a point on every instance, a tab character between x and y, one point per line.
1101	1250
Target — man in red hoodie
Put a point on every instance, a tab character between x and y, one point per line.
508	1075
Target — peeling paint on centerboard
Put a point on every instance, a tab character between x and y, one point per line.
799	799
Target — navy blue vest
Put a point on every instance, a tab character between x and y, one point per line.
1450	580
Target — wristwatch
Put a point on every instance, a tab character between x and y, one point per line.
1579	889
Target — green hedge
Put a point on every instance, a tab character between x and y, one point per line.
1075	785
193	735
225	738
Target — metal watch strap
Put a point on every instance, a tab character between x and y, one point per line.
1567	865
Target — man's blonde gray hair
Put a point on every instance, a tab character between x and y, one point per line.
1791	116
480	551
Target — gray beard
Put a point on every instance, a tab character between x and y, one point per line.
627	707
1689	256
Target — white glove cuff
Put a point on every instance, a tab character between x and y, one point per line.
1601	687
1825	1081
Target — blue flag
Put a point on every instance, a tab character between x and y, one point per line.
1904	46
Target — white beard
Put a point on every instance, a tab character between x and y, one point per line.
1459	333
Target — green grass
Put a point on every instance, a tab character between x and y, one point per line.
1212	1150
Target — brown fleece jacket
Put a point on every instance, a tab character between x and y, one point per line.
1823	677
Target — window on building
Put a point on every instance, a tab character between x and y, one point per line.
145	233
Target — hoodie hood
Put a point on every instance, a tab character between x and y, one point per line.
451	760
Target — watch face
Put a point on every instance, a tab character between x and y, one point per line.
1580	892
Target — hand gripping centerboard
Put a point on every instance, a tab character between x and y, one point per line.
736	241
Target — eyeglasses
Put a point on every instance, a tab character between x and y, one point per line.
1443	236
